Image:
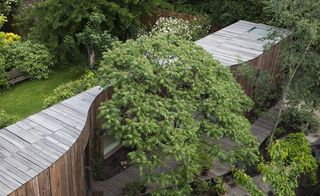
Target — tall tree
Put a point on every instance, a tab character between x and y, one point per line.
300	56
172	102
56	22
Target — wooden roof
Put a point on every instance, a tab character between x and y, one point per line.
30	146
239	42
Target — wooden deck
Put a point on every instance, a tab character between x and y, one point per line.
261	129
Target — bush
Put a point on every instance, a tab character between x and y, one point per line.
200	186
6	119
298	120
3	78
70	89
133	188
189	30
29	57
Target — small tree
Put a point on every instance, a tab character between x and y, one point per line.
300	56
170	102
94	39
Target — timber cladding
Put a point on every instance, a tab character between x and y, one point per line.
51	161
244	42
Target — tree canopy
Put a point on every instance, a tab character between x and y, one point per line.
57	22
172	102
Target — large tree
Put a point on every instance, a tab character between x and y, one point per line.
173	103
57	22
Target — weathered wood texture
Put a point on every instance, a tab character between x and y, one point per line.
43	155
243	42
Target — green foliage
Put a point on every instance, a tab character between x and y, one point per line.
93	38
51	22
29	57
200	186
133	188
246	181
218	187
169	99
3	78
298	120
6	119
189	30
223	12
67	90
27	98
289	159
263	87
300	57
6	6
3	19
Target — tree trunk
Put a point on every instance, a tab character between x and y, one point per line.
285	93
91	57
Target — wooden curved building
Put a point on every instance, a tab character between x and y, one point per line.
48	153
243	42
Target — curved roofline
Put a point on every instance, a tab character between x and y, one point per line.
32	145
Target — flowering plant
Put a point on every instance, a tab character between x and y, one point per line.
189	30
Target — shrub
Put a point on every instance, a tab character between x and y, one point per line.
3	78
29	57
290	158
200	186
133	188
6	119
70	89
298	120
189	30
7	38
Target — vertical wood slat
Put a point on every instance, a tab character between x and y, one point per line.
65	177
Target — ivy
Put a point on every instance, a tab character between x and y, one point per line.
170	100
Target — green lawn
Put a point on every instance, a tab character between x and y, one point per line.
27	97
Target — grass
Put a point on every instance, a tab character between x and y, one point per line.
27	97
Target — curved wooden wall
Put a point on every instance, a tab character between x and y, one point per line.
65	176
265	61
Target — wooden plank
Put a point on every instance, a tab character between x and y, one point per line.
24	134
40	120
44	183
13	175
73	116
61	139
70	111
64	118
14	139
4	189
46	148
9	181
49	157
32	188
28	163
57	144
7	148
34	157
59	124
15	170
